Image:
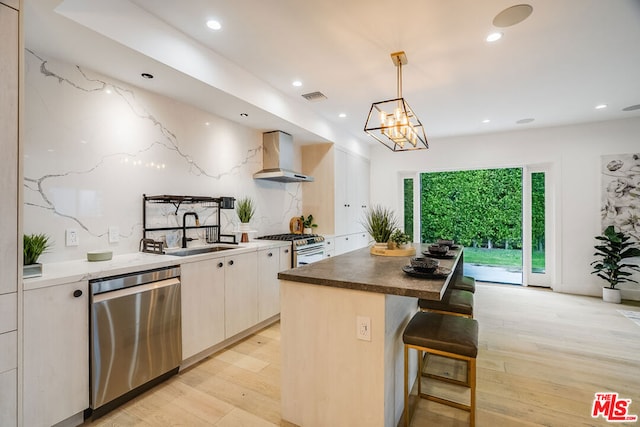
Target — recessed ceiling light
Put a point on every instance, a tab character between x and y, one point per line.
494	37
244	115
214	25
601	106
108	91
207	123
486	121
147	76
342	115
297	83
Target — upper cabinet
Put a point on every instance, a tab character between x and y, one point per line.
9	83
10	243
340	194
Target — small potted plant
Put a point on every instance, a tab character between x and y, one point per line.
307	224
612	251
399	239
380	223
245	208
34	245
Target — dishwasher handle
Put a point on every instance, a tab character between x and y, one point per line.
135	290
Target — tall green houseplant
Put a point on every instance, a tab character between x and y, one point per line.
612	252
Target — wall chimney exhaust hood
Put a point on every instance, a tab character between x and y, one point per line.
277	159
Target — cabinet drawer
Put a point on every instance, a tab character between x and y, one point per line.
9	398
8	351
8	312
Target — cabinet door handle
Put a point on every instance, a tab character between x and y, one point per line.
220	265
269	254
77	293
286	251
346	238
230	262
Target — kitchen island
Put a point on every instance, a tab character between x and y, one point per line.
329	375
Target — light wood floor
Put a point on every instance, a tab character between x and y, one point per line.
542	358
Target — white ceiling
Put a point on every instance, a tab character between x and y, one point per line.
554	67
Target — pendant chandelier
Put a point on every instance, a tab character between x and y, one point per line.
393	122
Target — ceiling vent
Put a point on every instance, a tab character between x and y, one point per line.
314	96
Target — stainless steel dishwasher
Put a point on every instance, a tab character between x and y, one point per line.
136	338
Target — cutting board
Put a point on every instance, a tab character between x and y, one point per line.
296	225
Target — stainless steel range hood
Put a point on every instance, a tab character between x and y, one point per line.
277	159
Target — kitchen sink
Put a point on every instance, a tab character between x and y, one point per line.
197	251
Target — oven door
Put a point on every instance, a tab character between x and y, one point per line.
308	254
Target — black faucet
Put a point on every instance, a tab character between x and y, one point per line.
184	227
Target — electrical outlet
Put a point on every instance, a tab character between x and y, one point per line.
114	234
71	237
363	328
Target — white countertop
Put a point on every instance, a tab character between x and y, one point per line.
57	273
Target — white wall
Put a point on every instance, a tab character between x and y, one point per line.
93	146
574	153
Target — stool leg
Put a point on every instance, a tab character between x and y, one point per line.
471	375
420	367
406	386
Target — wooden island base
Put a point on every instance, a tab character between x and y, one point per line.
329	376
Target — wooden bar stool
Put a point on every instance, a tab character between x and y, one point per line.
454	301
449	336
466	283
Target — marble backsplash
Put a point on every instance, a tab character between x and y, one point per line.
94	145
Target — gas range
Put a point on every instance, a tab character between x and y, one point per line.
297	239
306	248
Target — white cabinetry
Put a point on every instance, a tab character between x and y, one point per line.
285	258
202	289
9	208
340	196
351	242
240	293
268	283
9	147
352	191
329	246
56	353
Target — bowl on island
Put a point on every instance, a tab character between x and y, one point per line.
424	264
438	249
444	242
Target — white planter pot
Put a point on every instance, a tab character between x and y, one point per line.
31	270
244	227
611	295
308	230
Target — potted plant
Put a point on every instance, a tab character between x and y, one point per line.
380	223
34	245
613	250
399	238
307	224
245	208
